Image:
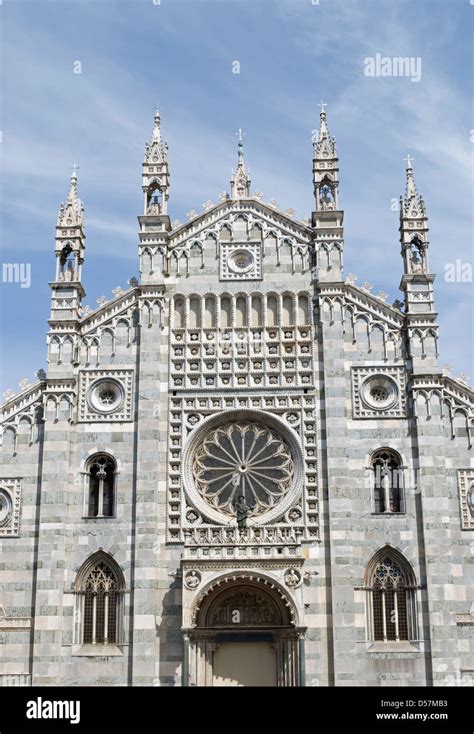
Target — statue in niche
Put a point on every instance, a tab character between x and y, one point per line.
326	198
241	510
154	205
416	257
66	264
69	272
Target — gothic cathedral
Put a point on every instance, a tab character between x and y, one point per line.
246	469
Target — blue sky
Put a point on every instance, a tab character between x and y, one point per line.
292	53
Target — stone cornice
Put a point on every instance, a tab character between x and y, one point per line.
23	400
363	300
108	310
449	387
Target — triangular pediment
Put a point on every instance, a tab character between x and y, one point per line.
226	213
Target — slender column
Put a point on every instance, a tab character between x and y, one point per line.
100	508
185	669
94	618
301	662
106	617
395	607
384	618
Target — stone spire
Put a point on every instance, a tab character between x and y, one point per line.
71	213
413	226
155	224
417	281
325	166
67	291
155	172
70	237
327	217
240	181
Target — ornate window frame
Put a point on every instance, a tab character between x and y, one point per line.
268	420
93	599
366	380
389	570
12	490
388	489
86	472
90	383
228	269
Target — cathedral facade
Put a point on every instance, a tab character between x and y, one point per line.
246	469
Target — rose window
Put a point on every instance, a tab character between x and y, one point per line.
379	394
6	507
243	459
106	395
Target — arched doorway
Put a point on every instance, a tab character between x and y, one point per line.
245	634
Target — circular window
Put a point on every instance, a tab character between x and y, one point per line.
6	506
106	396
240	261
243	455
470	499
379	392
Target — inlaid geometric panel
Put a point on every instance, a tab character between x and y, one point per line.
246	357
466	498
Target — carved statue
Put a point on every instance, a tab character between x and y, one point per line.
416	263
326	198
242	510
193	579
292	578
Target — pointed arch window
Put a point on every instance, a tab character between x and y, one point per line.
99	588
387	482
391	598
100	486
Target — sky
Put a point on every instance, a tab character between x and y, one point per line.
181	55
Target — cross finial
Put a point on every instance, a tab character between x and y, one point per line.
409	160
75	169
240	133
322	105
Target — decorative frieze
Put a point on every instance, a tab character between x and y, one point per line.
466	498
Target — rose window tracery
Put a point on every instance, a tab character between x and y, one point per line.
243	459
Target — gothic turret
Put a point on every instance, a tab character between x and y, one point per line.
67	290
155	173
327	218
240	181
154	222
417	281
